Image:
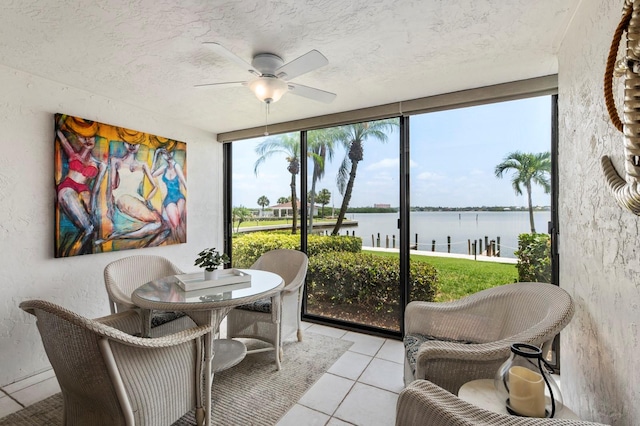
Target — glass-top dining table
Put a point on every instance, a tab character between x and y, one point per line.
207	306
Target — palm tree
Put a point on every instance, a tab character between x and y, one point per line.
283	200
528	169
289	145
263	202
352	136
240	214
323	197
321	143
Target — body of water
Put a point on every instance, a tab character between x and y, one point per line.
460	226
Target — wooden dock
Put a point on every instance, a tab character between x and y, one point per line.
479	257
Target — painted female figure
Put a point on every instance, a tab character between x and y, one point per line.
174	202
127	174
75	196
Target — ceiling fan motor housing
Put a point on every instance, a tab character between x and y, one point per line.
267	63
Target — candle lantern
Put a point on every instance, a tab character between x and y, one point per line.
526	385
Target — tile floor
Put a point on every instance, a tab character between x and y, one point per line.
18	395
361	388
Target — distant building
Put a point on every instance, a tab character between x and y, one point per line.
286	209
382	206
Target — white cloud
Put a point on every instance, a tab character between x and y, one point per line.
389	163
386	163
242	176
477	172
428	176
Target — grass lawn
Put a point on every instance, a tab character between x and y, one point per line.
461	277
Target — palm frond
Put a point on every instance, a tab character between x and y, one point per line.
527	169
288	144
343	174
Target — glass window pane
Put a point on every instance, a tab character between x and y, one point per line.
353	174
265	196
473	172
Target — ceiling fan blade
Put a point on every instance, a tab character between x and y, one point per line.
222	51
223	85
305	63
311	93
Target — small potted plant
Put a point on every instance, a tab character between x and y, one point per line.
210	259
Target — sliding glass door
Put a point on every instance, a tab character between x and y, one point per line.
353	242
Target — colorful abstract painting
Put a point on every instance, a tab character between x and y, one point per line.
117	189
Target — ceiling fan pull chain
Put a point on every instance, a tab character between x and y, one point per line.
266	119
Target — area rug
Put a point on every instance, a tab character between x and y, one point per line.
251	393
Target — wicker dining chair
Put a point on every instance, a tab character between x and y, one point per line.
451	343
109	377
424	403
262	321
123	276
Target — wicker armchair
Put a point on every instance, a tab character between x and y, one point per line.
109	377
455	342
260	320
123	276
423	403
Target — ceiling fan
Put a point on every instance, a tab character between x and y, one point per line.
272	75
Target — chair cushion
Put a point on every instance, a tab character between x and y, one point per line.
263	305
412	343
162	317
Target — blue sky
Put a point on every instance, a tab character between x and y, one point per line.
453	155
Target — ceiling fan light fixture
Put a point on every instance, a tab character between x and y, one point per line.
272	76
268	89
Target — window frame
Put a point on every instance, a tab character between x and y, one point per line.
541	86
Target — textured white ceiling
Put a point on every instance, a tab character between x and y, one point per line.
149	53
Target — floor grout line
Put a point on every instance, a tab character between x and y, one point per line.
12	398
354	381
345	395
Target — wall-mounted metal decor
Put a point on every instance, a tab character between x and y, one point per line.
626	190
116	188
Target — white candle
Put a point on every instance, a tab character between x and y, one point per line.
526	392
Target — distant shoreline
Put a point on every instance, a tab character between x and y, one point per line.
448	209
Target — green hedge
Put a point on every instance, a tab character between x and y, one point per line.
247	248
366	279
534	258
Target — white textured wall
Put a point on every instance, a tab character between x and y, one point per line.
27	196
599	241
